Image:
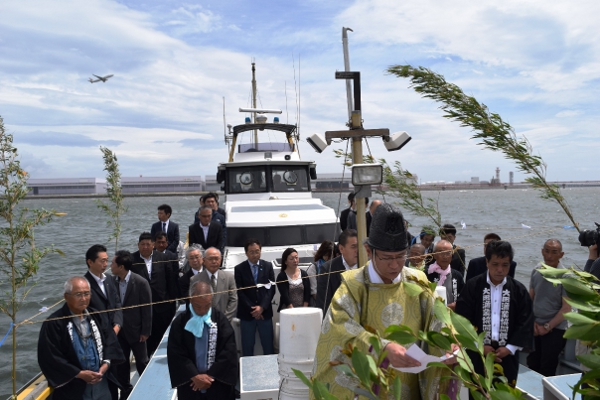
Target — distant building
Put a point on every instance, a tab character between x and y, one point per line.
475	180
211	184
66	186
326	182
162	184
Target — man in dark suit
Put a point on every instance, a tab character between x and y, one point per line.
345	212
254	306
478	265
137	321
330	278
104	291
195	261
222	282
459	260
160	245
164	224
153	266
211	199
207	233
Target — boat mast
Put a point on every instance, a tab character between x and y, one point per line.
355	122
254	104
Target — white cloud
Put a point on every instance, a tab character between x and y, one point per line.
534	63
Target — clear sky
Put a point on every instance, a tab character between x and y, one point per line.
536	63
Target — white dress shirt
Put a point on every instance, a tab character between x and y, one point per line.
496	298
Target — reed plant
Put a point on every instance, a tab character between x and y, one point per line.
19	256
116	206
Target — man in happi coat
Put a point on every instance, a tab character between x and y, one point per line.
375	296
441	272
76	353
501	307
201	352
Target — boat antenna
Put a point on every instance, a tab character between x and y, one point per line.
254	102
347	68
299	103
296	89
287	114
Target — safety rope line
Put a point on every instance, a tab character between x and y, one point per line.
29	321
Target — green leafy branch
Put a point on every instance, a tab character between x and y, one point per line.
458	333
583	295
495	133
19	256
115	195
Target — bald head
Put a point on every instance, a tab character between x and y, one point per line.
442	253
374	205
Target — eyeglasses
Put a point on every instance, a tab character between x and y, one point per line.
80	295
253	251
389	259
215	258
195	258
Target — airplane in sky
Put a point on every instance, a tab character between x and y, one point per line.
100	78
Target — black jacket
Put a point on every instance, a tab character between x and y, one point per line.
215	235
181	358
172	234
59	362
111	301
283	285
249	295
327	284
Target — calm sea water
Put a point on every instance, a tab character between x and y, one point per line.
500	211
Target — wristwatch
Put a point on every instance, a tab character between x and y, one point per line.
547	326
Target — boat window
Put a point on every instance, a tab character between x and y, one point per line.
283	208
289	178
246	180
275	147
238	236
283	235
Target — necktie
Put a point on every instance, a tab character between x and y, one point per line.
213	283
255	273
164	227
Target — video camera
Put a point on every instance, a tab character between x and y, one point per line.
589	237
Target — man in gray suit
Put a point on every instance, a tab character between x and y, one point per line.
222	282
137	322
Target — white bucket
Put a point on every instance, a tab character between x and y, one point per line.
299	330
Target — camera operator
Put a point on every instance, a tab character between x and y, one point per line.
592	265
590	239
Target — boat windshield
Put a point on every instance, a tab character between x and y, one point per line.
283	235
275	147
267	178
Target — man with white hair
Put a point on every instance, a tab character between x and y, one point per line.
75	351
225	297
195	257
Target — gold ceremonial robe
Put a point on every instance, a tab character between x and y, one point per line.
357	303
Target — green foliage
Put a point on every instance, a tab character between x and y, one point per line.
458	335
116	208
582	292
494	133
19	257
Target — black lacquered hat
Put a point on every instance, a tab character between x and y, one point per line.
388	232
